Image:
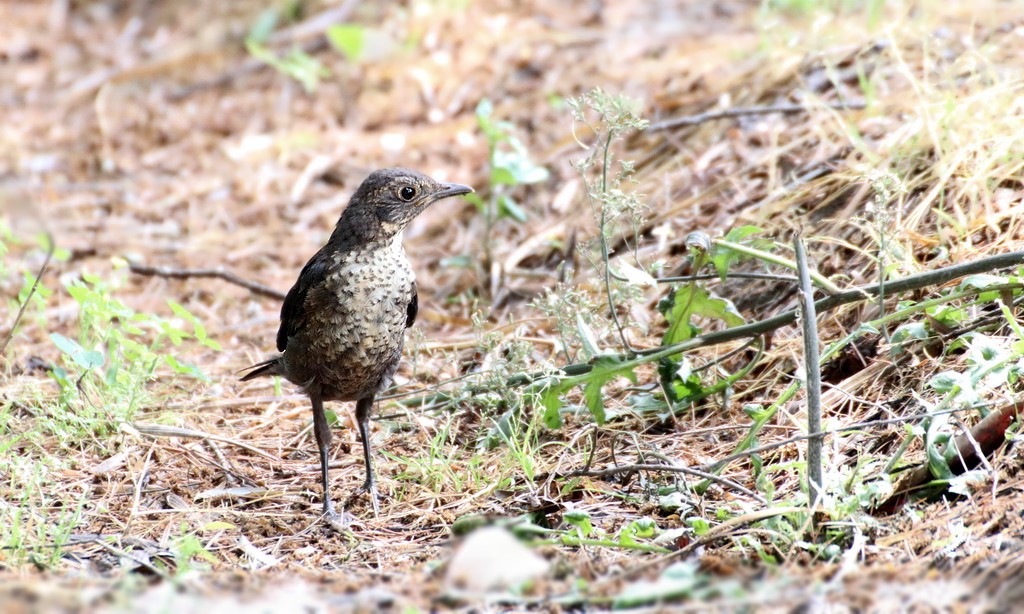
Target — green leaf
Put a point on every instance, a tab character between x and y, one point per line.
580	520
643	528
263	27
502	176
587	338
87	359
510	208
493	131
947	381
551	399
633	275
296	63
699	525
723	257
181	312
910	330
197	326
937	463
981	281
79	292
679	382
464	525
349	39
518	167
65	345
742	232
605	369
690	300
184	368
218	525
462	262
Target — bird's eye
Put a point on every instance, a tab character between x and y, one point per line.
407	193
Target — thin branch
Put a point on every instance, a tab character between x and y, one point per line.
812	359
228	276
50	246
162	430
766	256
712	276
786	109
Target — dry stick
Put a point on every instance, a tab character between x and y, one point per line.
812	360
228	276
35	284
707	276
985	437
161	430
600	473
700	118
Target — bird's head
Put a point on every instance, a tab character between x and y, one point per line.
387	200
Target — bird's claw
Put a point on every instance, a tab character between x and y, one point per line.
370	489
336	521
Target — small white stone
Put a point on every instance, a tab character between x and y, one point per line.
492	559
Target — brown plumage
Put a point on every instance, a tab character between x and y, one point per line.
343	322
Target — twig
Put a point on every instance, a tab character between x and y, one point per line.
228	276
600	473
160	430
812	359
787	109
765	256
708	276
50	246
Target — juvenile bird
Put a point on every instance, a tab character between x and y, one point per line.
343	322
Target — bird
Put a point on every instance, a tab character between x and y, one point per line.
343	321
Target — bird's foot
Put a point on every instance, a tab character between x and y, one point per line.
370	489
335	520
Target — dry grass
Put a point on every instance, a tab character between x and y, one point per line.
105	149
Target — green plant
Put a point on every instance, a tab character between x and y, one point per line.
510	166
295	62
190	554
579	531
103	372
442	467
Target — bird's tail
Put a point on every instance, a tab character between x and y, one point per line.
261	369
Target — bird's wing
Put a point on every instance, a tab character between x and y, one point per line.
413	307
293	312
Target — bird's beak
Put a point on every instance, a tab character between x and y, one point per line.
452	189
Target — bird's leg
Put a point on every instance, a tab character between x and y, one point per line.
322	431
363	409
